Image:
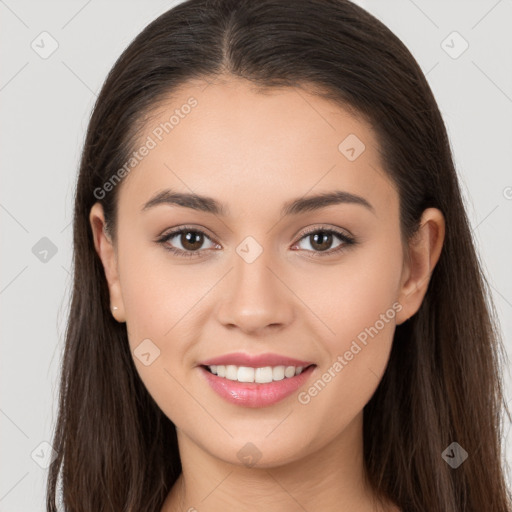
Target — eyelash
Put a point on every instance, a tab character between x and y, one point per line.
347	241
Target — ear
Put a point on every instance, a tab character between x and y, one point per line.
107	253
423	254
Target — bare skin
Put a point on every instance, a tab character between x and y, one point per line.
254	152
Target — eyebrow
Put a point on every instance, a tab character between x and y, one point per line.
294	207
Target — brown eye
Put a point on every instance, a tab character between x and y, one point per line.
321	240
191	240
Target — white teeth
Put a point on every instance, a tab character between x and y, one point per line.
289	371
263	375
245	374
278	373
258	375
231	372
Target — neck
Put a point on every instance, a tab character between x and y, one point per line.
329	478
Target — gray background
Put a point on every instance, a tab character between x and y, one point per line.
45	105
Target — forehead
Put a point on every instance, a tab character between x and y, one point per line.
254	147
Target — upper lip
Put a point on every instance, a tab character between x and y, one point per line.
255	360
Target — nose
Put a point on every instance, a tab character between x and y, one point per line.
255	297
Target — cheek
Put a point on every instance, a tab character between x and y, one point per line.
367	293
159	304
157	292
163	303
360	309
351	297
363	312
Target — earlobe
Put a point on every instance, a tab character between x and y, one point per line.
105	249
424	252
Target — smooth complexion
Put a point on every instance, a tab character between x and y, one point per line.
255	151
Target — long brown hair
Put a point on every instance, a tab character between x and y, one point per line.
116	449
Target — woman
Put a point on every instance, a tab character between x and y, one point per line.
277	302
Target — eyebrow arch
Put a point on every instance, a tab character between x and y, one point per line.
294	207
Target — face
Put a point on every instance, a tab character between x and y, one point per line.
317	286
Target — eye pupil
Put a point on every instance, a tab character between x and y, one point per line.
324	237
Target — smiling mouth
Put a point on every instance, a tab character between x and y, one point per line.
259	375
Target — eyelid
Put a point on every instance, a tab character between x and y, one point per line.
164	237
324	227
186	227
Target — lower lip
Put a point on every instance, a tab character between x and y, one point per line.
252	394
